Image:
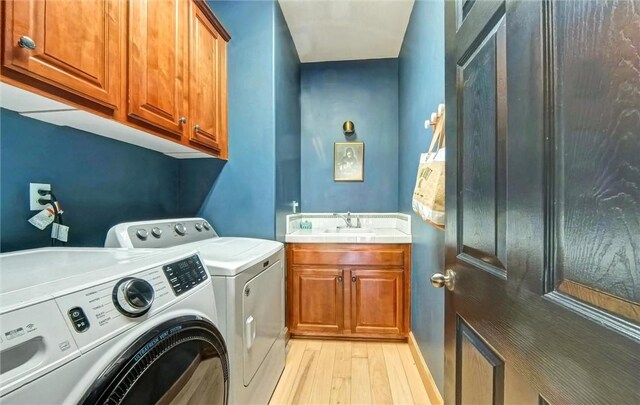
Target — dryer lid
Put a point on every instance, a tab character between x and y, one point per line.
231	256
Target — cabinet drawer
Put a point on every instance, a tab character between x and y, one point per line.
349	255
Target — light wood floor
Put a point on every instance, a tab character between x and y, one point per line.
342	372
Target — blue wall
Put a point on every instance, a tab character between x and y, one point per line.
100	182
250	196
365	92
421	65
287	102
242	200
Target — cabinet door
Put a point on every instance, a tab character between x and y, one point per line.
158	37
77	46
377	301
317	300
205	76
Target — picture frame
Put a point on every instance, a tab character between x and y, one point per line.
348	161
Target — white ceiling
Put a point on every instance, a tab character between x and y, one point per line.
331	30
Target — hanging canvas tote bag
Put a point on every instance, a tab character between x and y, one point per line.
428	196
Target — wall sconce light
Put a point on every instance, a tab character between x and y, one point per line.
349	128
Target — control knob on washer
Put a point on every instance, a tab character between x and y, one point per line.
133	296
180	229
156	232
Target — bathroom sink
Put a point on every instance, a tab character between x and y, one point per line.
342	230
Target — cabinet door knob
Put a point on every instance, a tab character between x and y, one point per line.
182	120
196	128
26	42
339	279
353	279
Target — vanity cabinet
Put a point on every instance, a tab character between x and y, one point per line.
153	69
71	49
349	290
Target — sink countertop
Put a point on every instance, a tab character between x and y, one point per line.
326	228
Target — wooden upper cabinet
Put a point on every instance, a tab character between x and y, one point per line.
77	47
157	64
377	301
206	50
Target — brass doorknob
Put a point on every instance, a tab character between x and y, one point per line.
439	280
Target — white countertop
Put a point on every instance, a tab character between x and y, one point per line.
326	228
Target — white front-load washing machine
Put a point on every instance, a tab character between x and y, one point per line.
248	279
109	326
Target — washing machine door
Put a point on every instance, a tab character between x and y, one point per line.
182	361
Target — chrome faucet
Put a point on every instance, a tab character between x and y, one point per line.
347	220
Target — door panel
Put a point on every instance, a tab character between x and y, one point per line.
317	300
481	88
376	301
76	56
542	203
158	63
596	156
204	74
481	372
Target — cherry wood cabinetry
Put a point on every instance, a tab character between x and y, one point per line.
208	78
70	46
318	298
158	66
377	301
349	290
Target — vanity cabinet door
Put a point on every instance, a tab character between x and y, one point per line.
377	301
317	300
71	48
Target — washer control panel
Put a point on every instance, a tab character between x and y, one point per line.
169	233
97	313
79	319
185	274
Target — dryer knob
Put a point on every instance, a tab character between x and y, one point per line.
206	225
180	229
198	227
133	296
142	234
156	232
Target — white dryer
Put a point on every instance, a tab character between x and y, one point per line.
248	279
110	326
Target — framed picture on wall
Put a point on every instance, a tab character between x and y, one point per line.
348	161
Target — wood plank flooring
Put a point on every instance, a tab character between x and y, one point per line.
341	372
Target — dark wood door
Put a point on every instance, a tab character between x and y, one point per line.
377	301
158	40
543	202
75	46
205	50
317	300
